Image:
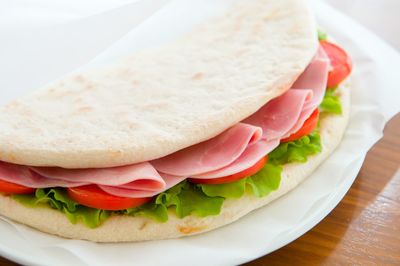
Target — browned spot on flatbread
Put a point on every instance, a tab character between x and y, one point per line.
116	153
162	105
191	229
78	100
84	109
12	157
79	78
143	226
136	82
257	29
132	125
272	15
37	130
239	23
198	76
90	86
13	105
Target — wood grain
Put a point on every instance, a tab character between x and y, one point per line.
364	229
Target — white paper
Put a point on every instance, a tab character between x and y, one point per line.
375	96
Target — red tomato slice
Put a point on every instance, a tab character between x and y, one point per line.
340	61
11	188
92	196
235	177
307	128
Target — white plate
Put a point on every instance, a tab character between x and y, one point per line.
273	226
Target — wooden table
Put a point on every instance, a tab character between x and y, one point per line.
364	229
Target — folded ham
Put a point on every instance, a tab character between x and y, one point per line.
233	151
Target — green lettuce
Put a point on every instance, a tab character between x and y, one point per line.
233	190
58	199
331	102
322	36
260	184
296	151
184	199
204	200
266	180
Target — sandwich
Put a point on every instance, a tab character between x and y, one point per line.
182	138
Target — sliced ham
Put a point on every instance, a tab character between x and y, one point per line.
314	78
129	192
210	155
281	114
249	157
22	175
142	175
233	151
134	181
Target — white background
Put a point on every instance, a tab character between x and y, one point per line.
380	16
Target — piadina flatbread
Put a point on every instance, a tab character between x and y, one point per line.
127	229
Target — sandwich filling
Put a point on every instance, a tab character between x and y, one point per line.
246	158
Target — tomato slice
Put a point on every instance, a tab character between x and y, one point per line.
92	196
235	177
11	188
308	127
340	61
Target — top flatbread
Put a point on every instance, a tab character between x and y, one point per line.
162	100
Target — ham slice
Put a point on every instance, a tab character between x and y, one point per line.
210	155
233	151
22	175
280	115
139	176
140	180
129	192
314	78
249	157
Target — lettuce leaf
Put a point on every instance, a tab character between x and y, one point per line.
184	199
331	102
204	200
58	199
266	180
233	190
260	184
296	151
322	36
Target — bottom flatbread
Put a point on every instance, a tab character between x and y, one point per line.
126	228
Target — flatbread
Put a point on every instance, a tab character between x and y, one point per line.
164	99
125	228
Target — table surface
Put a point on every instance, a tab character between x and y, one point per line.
364	229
